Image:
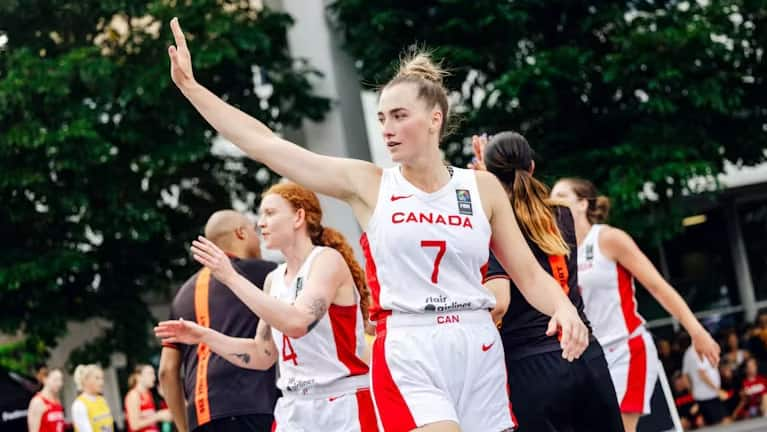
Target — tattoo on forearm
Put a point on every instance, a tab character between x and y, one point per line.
268	352
245	357
317	309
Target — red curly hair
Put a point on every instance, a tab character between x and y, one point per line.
302	198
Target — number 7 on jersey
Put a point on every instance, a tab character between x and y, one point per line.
442	247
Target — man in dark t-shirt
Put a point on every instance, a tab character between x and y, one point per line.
213	394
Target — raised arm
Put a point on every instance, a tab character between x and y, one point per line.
294	320
346	179
537	286
618	245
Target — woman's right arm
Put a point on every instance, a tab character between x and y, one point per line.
341	178
258	353
35	414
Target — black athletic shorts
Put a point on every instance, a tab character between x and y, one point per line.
713	411
550	394
243	423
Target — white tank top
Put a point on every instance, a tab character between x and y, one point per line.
328	359
427	252
608	292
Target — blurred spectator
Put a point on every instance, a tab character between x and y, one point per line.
141	414
733	354
706	387
671	360
757	342
90	411
45	412
753	402
731	387
688	409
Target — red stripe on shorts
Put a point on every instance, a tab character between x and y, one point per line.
365	411
633	399
395	414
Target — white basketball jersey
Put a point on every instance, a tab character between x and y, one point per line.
328	359
608	292
427	252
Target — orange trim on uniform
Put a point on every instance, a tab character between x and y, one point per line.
559	271
202	313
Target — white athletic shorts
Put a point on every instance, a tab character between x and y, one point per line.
633	364
436	367
344	412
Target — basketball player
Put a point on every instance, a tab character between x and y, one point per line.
608	262
437	362
45	412
311	314
90	411
548	394
141	415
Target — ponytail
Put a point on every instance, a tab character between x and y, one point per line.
534	211
510	158
599	205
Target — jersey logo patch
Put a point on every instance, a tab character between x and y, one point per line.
589	252
485	348
464	202
299	285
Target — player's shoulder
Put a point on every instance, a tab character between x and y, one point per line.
329	257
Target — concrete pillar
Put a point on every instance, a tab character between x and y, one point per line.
740	261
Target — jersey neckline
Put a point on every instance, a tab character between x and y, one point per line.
423	195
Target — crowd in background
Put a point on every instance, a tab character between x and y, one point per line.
90	412
740	382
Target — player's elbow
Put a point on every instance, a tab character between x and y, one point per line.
296	331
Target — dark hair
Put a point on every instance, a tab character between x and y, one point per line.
510	158
599	205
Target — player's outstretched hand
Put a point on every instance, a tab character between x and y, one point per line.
180	331
180	58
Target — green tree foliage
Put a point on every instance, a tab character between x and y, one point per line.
106	172
623	93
